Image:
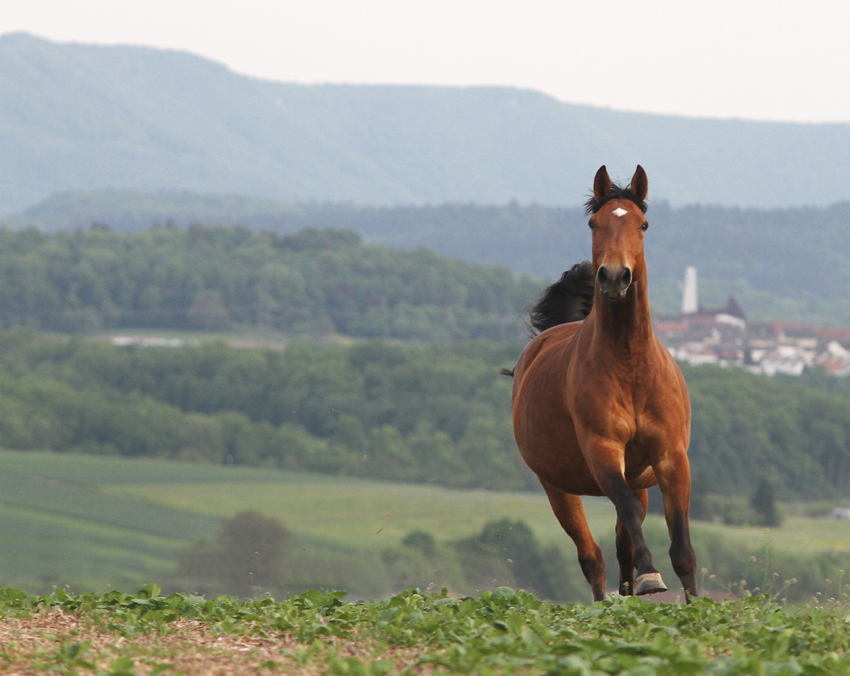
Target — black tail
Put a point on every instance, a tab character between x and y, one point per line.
567	300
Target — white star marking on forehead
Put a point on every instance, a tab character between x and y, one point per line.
619	211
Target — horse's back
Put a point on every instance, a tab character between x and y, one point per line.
552	340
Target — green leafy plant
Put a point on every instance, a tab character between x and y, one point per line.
503	631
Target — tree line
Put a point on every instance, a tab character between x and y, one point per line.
311	282
791	263
438	414
311	273
435	414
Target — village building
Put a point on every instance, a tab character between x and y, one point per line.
723	336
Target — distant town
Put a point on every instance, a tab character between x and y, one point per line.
723	336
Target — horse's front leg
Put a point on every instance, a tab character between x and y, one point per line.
605	459
624	550
674	480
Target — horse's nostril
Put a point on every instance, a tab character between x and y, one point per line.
602	276
627	278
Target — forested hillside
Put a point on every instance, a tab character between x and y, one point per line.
437	414
211	279
781	264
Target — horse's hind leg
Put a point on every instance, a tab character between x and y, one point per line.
570	513
624	550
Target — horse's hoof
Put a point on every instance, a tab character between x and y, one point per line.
649	583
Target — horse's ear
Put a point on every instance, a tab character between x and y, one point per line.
601	184
639	184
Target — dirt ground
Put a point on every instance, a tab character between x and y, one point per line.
46	641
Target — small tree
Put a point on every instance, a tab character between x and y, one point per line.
763	503
422	541
248	551
253	546
513	545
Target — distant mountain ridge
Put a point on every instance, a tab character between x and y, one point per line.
90	117
132	210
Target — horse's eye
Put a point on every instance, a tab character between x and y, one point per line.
644	226
591	223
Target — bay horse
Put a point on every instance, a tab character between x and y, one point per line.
600	406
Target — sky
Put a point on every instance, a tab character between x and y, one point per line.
752	59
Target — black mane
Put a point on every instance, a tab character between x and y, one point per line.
570	299
617	192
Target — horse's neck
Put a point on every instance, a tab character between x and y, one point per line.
625	327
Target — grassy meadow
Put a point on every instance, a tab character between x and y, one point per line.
97	522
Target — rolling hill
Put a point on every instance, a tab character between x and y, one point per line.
78	116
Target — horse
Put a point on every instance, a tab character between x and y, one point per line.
600	406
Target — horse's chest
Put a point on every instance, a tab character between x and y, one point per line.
637	456
647	427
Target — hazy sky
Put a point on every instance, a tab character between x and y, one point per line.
768	60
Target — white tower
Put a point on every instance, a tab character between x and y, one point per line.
689	294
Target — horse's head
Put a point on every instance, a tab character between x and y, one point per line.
618	224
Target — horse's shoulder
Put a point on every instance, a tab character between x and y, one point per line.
667	385
672	367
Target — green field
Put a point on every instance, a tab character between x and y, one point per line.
94	521
57	526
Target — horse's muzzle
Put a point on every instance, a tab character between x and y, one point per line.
614	282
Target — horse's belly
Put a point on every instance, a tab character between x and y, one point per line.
563	465
556	458
572	478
